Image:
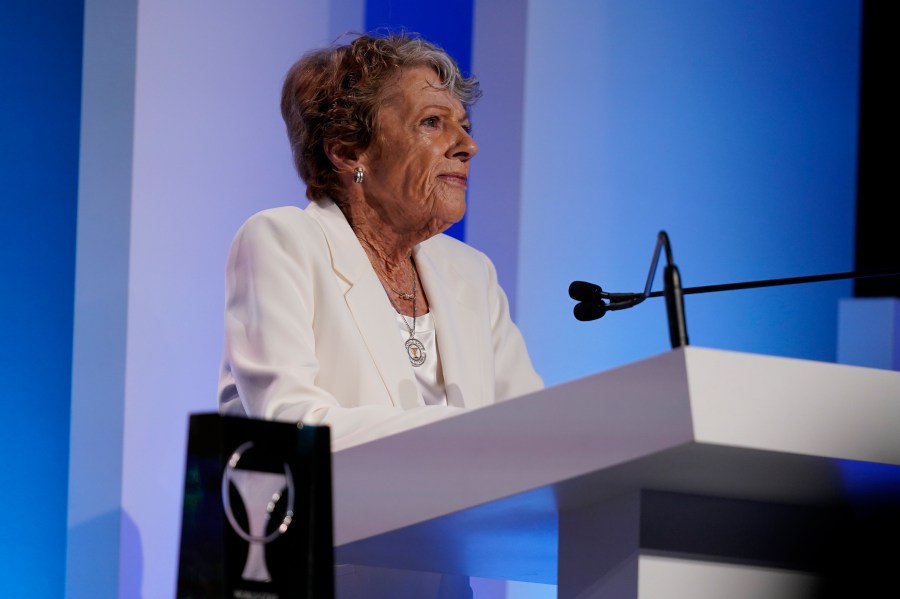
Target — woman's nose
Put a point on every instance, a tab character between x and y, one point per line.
464	147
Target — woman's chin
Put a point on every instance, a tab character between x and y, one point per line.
452	210
454	218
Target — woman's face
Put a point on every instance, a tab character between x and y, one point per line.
417	168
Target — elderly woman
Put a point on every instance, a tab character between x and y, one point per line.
357	312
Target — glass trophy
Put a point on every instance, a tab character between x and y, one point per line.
257	516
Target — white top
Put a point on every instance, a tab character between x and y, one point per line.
429	375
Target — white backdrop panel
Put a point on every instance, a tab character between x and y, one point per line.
209	149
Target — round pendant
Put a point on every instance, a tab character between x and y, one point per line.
416	351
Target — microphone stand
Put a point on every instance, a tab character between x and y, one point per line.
674	295
672	291
592	304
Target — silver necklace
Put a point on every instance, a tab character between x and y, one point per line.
414	348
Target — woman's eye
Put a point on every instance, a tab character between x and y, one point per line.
431	121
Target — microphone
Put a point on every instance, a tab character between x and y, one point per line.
594	303
587	310
588	292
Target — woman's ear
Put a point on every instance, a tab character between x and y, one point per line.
344	158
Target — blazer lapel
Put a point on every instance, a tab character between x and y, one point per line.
465	353
368	303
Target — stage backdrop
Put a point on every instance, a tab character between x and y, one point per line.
730	125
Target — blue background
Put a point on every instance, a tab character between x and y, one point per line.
40	49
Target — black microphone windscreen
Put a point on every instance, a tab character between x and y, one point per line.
589	311
585	292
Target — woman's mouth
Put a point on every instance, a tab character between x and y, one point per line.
458	179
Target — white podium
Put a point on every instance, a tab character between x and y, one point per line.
695	473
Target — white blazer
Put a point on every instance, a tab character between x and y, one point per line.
311	336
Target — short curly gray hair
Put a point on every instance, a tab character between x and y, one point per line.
332	95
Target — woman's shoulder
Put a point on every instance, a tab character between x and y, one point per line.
279	227
281	220
280	216
446	244
458	255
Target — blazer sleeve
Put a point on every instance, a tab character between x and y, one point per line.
270	365
514	374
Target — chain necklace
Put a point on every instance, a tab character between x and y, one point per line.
414	348
401	295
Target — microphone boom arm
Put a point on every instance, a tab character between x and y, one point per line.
594	302
856	274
